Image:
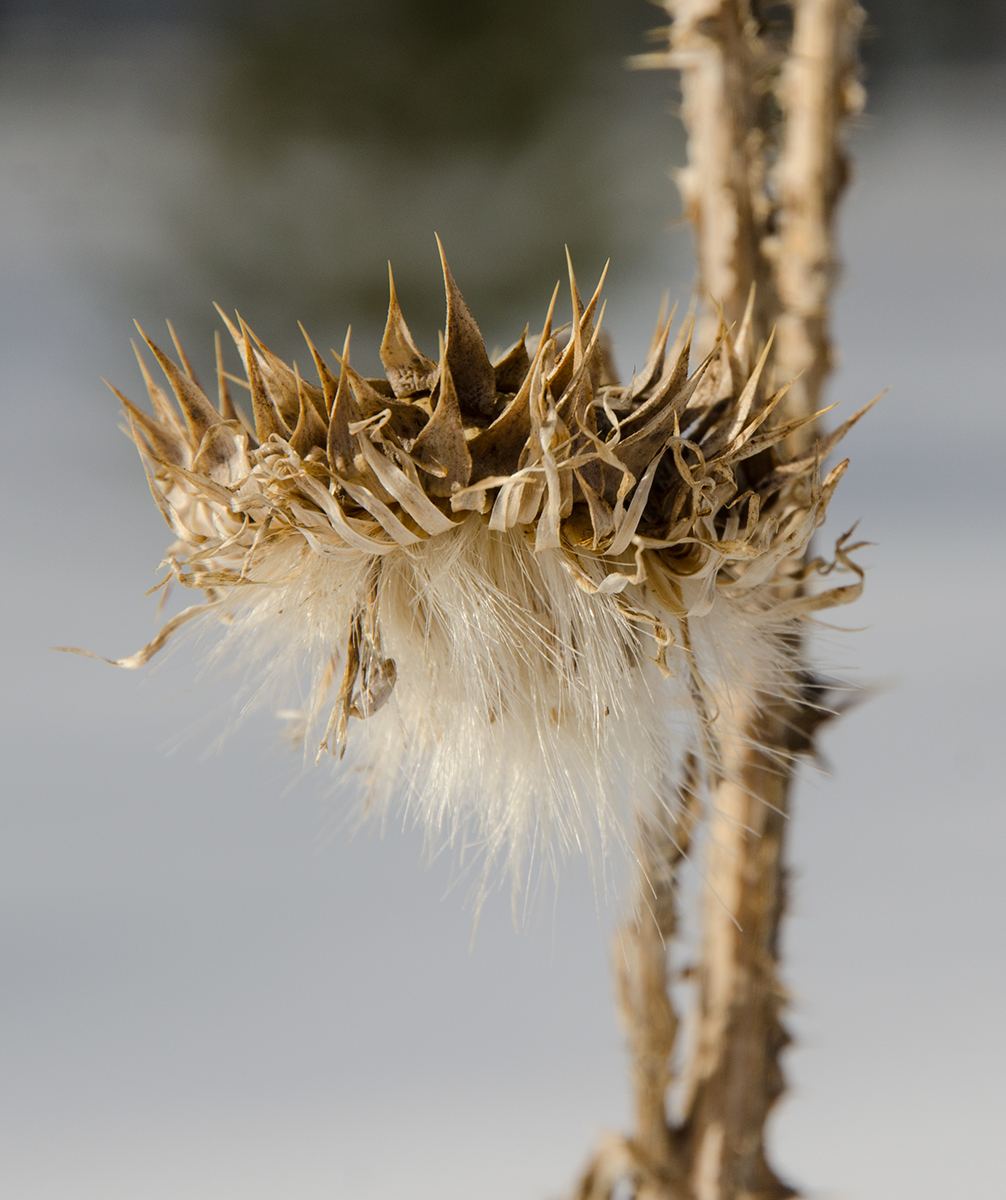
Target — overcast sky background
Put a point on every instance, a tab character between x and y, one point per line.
208	990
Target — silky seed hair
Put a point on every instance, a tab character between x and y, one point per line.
520	592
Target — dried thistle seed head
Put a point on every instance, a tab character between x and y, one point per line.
521	590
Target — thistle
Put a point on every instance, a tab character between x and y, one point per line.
524	593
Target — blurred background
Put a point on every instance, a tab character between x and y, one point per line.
209	989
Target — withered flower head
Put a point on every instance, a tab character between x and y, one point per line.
521	591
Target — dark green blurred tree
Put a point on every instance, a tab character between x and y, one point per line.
420	76
350	130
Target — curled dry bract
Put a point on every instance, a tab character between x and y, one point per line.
520	590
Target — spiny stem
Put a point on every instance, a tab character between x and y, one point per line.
770	225
648	1015
724	66
818	90
653	1157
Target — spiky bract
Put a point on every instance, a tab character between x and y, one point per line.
535	588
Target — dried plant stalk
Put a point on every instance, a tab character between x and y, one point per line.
763	234
654	1158
641	961
725	69
819	88
736	1077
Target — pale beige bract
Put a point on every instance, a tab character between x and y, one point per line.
520	591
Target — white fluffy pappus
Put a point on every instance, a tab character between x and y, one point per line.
527	714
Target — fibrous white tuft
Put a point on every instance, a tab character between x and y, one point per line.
520	591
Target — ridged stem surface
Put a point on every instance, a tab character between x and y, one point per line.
761	201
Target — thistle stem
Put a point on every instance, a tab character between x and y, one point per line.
648	1014
734	1076
653	1157
767	224
818	90
715	47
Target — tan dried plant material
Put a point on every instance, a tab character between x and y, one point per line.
522	592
